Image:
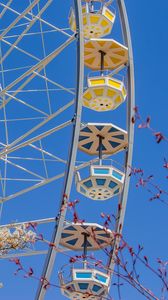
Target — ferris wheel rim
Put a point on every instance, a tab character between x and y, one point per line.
130	107
130	126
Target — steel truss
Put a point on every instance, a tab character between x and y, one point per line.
49	263
130	128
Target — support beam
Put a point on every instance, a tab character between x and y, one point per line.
34	139
50	260
25	12
23	254
5	9
38	67
42	20
28	27
26	104
49	118
49	154
34	187
6	160
130	128
39	222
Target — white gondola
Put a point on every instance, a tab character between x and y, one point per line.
88	284
103	183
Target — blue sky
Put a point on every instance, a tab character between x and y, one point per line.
145	222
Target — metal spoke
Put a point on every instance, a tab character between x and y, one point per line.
34	33
22	168
16	26
44	90
44	55
21	50
42	20
38	222
34	187
38	67
49	154
56	84
15	69
38	159
5	8
45	121
26	104
21	15
26	30
23	254
21	179
43	159
23	119
34	139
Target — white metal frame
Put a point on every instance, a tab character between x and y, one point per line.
18	144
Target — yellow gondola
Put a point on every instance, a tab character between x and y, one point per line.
104	93
95	23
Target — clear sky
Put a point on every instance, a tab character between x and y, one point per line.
145	222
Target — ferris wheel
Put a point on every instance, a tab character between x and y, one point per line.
66	108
